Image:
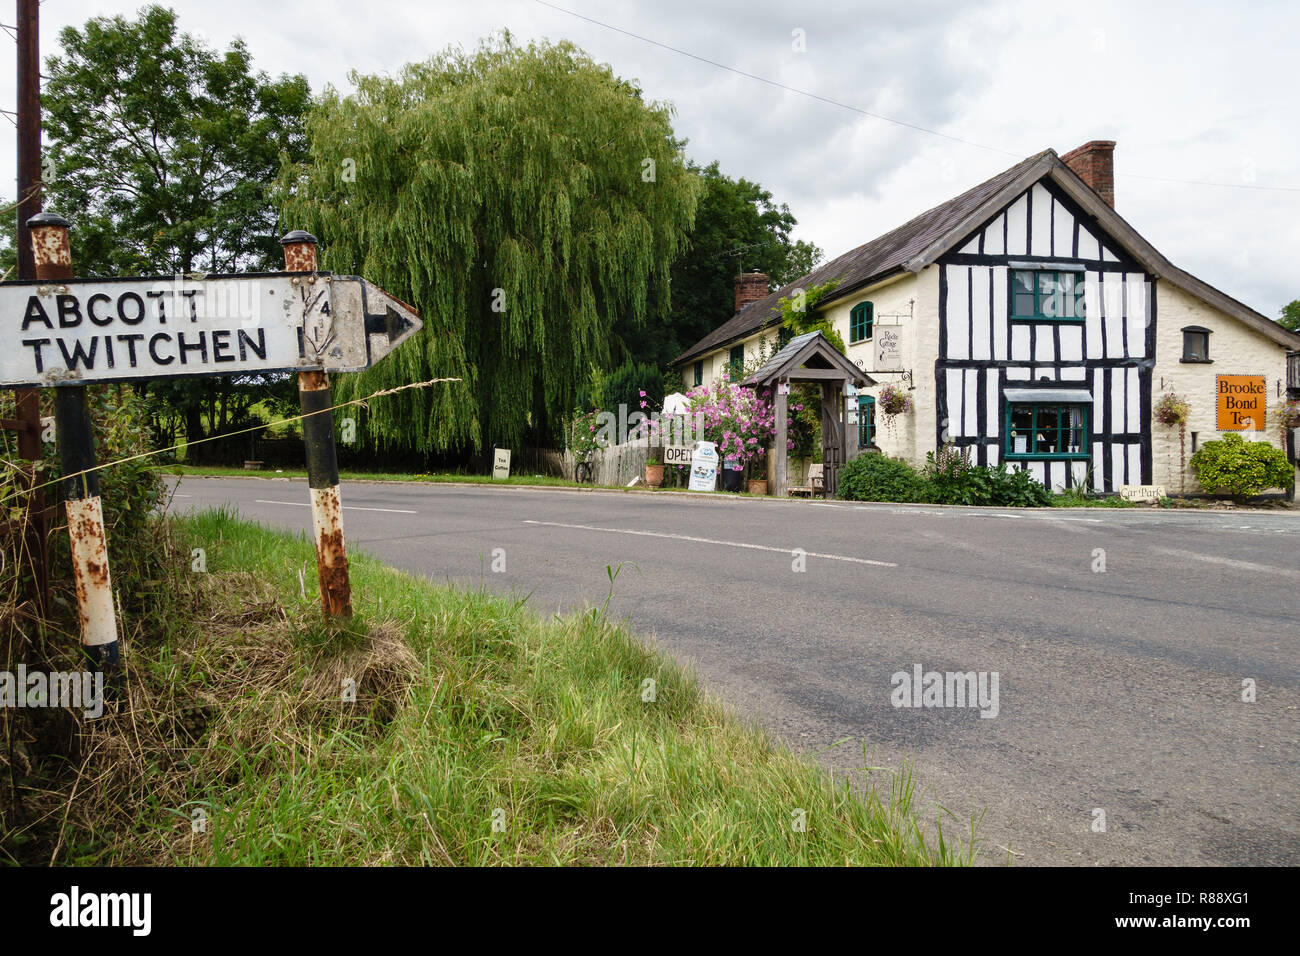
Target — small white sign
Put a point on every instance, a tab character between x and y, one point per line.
783	388
677	454
501	463
704	467
1142	492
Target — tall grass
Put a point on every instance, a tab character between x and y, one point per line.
480	733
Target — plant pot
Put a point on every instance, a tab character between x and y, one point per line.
654	475
757	486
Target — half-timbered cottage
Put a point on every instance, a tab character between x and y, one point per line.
1031	324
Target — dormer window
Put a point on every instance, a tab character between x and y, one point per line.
1196	344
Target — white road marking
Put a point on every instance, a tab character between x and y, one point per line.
307	504
1230	562
182	496
729	544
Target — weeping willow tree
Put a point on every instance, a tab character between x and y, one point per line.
522	199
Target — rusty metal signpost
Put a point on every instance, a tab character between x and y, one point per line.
62	333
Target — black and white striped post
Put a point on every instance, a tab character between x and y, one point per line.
53	257
322	457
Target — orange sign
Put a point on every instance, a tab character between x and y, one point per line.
1241	402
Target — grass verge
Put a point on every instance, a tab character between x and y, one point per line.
479	733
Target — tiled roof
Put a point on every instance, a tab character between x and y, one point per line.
873	260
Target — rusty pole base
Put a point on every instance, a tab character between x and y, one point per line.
331	553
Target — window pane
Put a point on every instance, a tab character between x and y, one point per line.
1022	422
1071	295
1078	422
1051	301
1024	303
1024	282
1047	437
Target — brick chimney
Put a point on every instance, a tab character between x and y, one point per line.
750	287
1095	164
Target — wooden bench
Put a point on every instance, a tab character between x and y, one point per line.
816	482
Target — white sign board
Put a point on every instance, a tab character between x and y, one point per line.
704	467
1142	492
889	348
501	463
107	330
677	454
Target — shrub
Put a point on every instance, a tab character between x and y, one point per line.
1014	488
1241	468
873	477
949	478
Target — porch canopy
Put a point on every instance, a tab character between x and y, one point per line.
811	358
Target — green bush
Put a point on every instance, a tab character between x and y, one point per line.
949	478
873	477
1237	467
1016	488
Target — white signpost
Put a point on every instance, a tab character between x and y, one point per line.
65	333
75	332
704	467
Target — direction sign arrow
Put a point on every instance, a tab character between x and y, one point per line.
368	324
104	330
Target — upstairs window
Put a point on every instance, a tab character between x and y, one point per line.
1047	295
861	317
1046	431
1196	344
699	373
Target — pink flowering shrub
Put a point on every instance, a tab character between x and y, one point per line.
739	420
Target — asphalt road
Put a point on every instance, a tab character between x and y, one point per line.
1118	690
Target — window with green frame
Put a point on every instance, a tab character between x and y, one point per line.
861	317
699	373
736	359
1046	431
1046	294
866	420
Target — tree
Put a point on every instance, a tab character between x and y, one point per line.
164	149
525	200
162	153
738	228
1290	316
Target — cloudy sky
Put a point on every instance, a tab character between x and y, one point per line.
1199	96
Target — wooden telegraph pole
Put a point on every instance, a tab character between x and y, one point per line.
53	260
27	400
322	457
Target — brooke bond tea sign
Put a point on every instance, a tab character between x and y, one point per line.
1241	401
102	330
